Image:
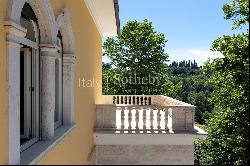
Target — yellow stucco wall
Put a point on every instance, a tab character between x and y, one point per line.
3	90
76	147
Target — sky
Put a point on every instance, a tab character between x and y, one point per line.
190	26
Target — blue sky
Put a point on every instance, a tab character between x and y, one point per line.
190	26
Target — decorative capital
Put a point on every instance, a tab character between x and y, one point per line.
69	58
49	50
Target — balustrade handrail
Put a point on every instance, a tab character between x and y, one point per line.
142	100
143	106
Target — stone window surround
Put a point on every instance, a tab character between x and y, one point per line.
15	33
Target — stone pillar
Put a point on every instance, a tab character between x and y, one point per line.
181	118
190	115
47	92
68	88
14	32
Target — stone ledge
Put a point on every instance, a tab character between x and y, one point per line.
36	152
145	139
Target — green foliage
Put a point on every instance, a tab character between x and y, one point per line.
189	84
237	11
138	53
184	68
228	129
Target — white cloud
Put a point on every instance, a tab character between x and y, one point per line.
207	54
202	56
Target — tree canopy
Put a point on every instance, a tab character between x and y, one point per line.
139	58
228	129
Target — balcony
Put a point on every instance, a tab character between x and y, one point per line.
128	125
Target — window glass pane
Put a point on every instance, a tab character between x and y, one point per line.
58	84
29	82
25	95
28	24
57	96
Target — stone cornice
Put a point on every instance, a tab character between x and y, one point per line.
104	16
14	32
15	29
93	12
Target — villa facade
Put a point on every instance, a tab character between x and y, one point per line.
45	46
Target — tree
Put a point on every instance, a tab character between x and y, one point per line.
189	84
237	11
139	57
227	141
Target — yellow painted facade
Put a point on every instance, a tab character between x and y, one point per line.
3	90
75	147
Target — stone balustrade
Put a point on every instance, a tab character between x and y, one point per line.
141	100
143	114
126	126
127	99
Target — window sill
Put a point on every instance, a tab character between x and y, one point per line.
37	151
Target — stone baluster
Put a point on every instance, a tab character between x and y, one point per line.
124	98
118	100
149	101
136	118
158	119
166	118
122	118
144	118
129	119
137	100
141	100
121	100
151	119
145	100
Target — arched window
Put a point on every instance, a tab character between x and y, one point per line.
30	38
29	79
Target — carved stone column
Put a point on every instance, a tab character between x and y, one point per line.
68	88
14	32
47	92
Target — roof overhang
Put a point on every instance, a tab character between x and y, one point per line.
105	14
